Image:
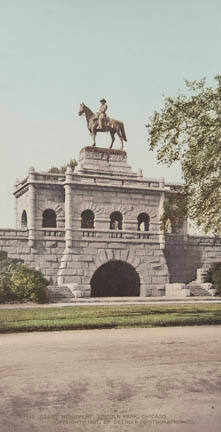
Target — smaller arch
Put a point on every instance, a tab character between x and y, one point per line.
116	220
24	219
87	219
49	219
143	222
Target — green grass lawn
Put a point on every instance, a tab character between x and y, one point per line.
98	317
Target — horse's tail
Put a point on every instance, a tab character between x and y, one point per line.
123	132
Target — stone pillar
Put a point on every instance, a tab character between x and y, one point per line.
68	208
31	213
161	211
102	223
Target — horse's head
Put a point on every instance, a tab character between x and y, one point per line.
82	109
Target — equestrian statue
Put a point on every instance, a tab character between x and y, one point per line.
99	122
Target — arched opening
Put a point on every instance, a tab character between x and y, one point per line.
24	220
116	220
49	219
143	221
115	279
87	219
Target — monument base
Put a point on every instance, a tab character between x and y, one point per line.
102	161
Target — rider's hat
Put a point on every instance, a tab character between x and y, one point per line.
103	101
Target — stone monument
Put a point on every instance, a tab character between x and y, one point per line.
96	231
101	123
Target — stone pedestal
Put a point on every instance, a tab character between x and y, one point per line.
100	161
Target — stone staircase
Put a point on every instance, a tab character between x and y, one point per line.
196	290
60	294
200	287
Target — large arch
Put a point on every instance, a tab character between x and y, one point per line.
115	279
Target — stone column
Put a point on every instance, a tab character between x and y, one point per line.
68	208
161	211
31	213
102	223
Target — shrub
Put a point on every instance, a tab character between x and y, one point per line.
29	284
6	293
18	282
7	265
214	276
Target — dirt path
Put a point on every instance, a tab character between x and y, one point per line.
162	379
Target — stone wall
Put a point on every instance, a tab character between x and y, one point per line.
45	256
185	254
103	202
50	196
79	264
22	204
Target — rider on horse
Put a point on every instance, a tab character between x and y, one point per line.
101	115
99	122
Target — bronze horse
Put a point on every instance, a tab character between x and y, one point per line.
111	125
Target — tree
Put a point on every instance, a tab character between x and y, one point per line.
55	170
188	129
174	212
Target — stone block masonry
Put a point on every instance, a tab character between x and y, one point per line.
71	226
40	257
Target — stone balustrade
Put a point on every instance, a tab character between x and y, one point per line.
41	177
192	240
111	235
79	178
13	233
53	232
49	177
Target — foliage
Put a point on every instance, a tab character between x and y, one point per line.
214	276
29	284
6	293
175	209
187	129
19	283
7	266
62	169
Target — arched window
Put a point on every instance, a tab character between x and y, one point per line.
24	221
87	219
116	220
49	219
143	222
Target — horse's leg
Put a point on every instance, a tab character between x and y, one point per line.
94	135
112	138
121	139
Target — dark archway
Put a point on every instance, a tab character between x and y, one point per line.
87	219
49	219
143	220
115	279
116	220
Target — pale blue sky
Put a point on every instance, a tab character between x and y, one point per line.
57	53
